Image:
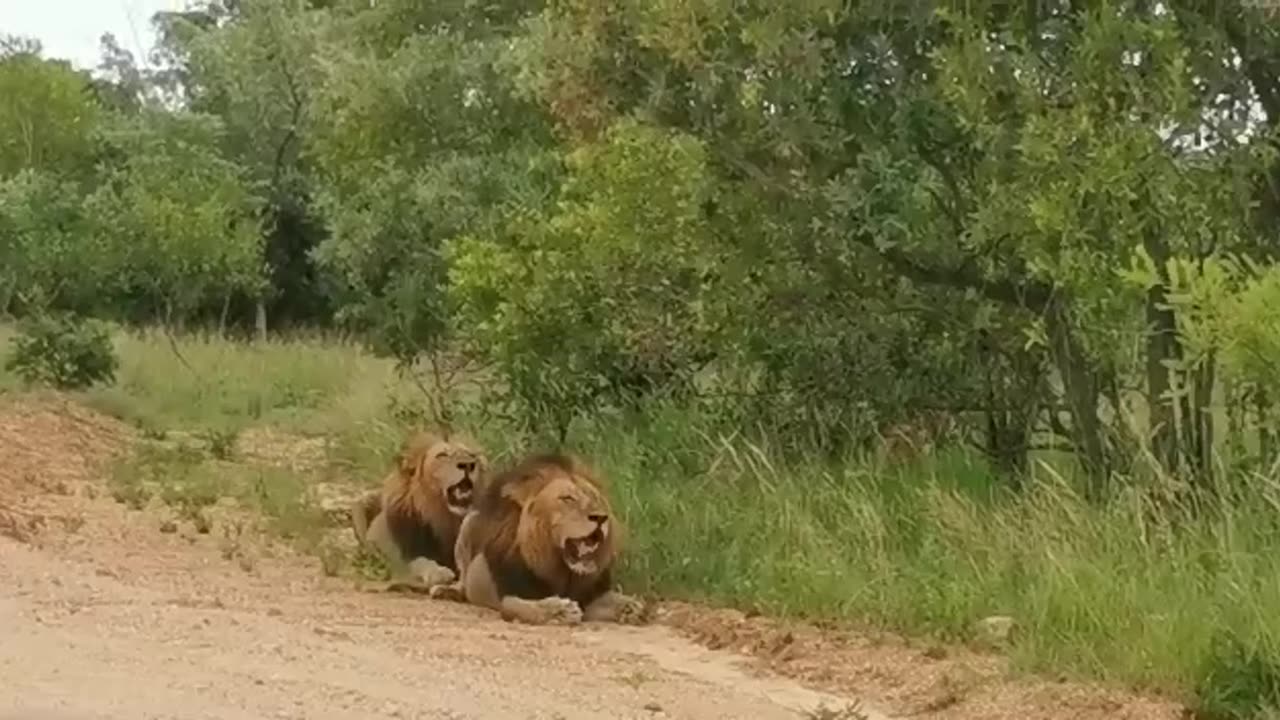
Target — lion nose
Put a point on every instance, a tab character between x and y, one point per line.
467	467
598	518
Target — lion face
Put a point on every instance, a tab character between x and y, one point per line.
453	469
575	518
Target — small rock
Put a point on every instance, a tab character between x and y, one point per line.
274	612
168	527
653	707
995	630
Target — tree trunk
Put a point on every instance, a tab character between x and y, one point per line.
1008	438
1203	421
222	317
1162	348
1081	389
260	320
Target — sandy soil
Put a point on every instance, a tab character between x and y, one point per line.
104	615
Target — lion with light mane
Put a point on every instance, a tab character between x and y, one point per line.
414	520
539	546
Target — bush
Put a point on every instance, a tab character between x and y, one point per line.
63	351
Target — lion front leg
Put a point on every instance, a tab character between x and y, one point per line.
479	588
451	592
462	554
422	575
430	573
417	574
615	607
547	611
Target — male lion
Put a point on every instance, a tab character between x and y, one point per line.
539	547
414	520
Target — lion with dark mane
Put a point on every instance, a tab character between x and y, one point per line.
539	546
414	520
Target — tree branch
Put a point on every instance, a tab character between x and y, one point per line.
1030	294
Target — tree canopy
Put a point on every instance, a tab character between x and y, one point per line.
1053	221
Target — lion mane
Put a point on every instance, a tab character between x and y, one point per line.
522	518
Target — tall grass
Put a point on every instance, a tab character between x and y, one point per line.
1126	593
1115	592
204	382
8	381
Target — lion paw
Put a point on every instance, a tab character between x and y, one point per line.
430	574
410	585
631	611
559	611
451	592
618	608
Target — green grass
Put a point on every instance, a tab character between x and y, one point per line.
8	381
302	384
189	480
1119	593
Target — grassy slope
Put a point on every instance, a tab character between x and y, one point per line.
1106	593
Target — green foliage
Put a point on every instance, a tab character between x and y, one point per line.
47	117
178	219
610	294
49	255
424	141
63	351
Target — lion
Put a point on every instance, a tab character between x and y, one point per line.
414	520
539	546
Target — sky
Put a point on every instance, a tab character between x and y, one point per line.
70	29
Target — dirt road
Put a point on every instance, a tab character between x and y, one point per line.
106	634
102	615
111	613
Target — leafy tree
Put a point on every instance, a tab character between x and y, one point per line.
47	116
1015	156
609	296
48	254
1054	220
253	64
177	219
424	140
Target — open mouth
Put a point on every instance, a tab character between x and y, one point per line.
579	553
459	496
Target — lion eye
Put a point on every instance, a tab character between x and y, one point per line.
441	454
566	499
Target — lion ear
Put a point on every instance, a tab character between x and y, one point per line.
414	450
521	493
409	462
